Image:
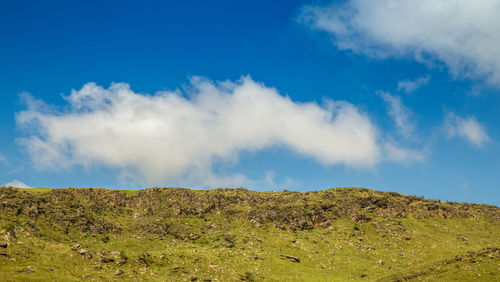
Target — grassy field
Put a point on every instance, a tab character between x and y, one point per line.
235	234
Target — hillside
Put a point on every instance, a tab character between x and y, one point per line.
235	234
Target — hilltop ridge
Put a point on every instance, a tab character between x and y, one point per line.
168	233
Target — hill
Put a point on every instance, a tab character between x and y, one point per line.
234	234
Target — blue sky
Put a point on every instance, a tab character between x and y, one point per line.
302	95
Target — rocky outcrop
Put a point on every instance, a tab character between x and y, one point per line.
83	208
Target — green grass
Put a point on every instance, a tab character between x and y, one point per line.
228	235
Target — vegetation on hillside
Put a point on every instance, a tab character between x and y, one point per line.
236	234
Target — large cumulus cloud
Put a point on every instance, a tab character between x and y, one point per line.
171	137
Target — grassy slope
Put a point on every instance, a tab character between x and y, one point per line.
232	234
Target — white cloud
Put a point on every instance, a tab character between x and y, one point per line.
462	34
399	113
468	128
3	160
177	138
410	86
16	183
394	152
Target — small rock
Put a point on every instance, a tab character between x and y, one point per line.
119	272
107	259
194	236
83	251
76	247
292	258
380	262
12	259
4	244
29	269
363	275
192	277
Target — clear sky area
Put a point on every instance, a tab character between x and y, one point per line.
399	96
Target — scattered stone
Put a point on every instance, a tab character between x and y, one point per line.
380	262
291	258
83	252
29	269
363	275
107	259
194	236
76	247
12	259
192	277
4	244
119	272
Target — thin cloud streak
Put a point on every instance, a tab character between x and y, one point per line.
410	86
399	113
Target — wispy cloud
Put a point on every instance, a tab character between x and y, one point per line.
3	159
399	113
16	183
395	152
459	33
410	86
466	127
177	137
